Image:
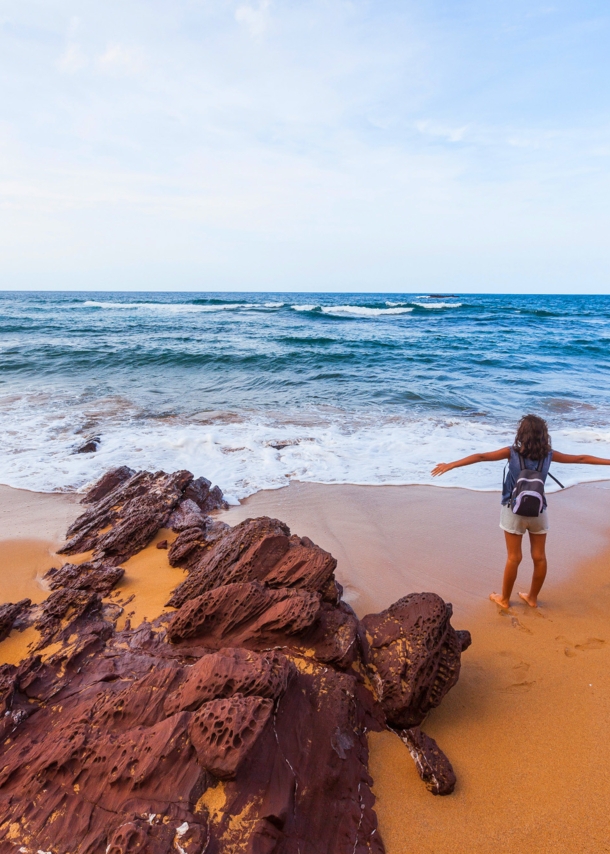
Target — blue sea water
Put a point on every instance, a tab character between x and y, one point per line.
253	390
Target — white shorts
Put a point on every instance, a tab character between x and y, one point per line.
514	524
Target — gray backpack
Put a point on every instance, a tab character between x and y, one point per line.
527	498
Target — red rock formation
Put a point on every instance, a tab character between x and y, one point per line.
432	765
123	518
98	577
11	614
237	722
107	483
413	655
255	550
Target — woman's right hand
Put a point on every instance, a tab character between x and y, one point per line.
441	468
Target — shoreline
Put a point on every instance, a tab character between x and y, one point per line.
420	535
525	727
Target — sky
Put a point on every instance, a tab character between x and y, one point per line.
326	145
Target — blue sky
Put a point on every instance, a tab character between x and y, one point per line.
278	145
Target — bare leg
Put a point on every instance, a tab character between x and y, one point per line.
538	550
513	559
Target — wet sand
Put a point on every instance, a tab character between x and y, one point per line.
526	727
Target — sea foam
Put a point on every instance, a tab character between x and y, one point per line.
245	456
363	310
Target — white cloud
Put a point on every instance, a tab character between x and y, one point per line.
72	59
73	26
255	19
121	59
455	134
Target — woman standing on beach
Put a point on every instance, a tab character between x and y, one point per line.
531	450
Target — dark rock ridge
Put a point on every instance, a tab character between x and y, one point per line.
98	576
11	615
235	723
127	509
90	446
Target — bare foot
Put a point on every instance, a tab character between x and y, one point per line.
531	602
497	598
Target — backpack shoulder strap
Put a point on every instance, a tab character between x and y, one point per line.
558	482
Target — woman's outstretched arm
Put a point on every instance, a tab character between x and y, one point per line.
585	459
491	457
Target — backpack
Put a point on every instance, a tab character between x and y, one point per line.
527	495
527	498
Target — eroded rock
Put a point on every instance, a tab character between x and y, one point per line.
432	765
189	546
107	483
98	577
63	608
224	731
237	613
237	722
413	655
10	614
260	550
186	515
123	518
231	671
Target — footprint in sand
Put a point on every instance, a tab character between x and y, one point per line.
519	687
591	643
570	648
517	624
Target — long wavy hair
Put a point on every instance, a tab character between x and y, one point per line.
532	440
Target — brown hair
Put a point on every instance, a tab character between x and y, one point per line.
532	440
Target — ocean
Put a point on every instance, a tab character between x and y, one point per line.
256	390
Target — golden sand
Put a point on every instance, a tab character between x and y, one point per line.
150	579
24	562
18	645
526	729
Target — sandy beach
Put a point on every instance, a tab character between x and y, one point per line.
526	725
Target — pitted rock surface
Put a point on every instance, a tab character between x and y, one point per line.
231	671
413	653
237	722
224	731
